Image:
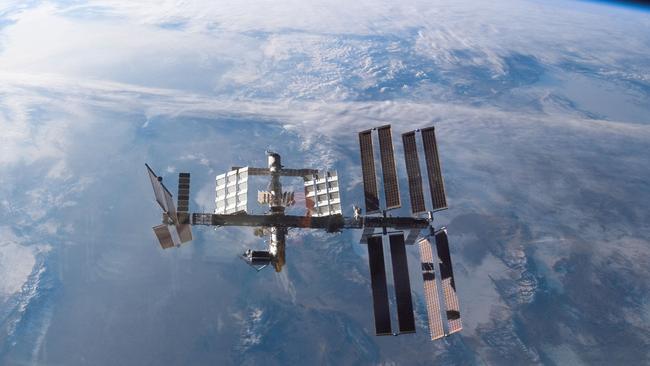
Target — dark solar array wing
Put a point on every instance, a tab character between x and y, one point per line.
431	290
378	285
402	284
368	171
183	192
163	197
416	193
164	236
184	230
436	184
388	169
448	284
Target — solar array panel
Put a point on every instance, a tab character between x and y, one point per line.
184	232
171	209
368	171
431	290
388	169
416	194
163	197
322	195
183	192
164	236
158	188
232	192
402	284
436	185
378	285
448	284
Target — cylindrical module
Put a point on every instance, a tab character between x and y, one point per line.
275	186
277	246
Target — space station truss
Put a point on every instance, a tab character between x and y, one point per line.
322	196
165	236
232	192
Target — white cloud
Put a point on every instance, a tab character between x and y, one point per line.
17	262
309	50
43	40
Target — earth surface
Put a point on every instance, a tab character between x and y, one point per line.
542	112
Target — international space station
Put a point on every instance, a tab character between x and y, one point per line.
323	211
